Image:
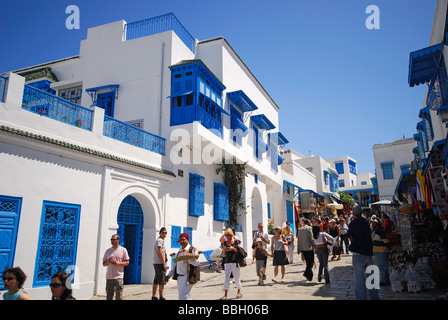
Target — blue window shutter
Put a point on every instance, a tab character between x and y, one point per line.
196	196
221	202
189	231
339	167
175	233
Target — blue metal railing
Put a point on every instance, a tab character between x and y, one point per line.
3	80
127	133
51	106
166	22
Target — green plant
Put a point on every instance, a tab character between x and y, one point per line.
347	198
234	175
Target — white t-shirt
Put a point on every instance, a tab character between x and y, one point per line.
159	243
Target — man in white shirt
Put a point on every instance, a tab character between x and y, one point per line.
265	240
181	268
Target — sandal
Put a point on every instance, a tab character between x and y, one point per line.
223	298
239	296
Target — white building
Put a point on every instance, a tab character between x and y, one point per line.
126	138
391	160
358	185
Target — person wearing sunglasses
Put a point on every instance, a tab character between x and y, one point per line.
160	267
60	286
13	280
115	259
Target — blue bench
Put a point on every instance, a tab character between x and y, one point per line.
207	255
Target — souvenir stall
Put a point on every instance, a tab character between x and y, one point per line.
419	242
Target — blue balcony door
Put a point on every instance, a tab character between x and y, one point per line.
130	230
9	223
106	101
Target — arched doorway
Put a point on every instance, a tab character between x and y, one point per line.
130	230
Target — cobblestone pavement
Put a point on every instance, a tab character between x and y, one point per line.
294	286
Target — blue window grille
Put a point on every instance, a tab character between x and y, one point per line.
352	167
3	81
175	233
339	167
58	240
341	183
72	94
51	106
189	231
221	202
196	195
127	133
10	208
159	24
388	172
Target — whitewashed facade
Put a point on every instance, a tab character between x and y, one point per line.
61	164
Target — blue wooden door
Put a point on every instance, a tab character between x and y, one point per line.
290	215
9	223
130	230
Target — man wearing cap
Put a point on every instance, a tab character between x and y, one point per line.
362	248
181	268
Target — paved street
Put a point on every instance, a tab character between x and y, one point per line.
294	287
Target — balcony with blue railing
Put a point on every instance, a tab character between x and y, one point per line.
159	24
51	106
3	80
54	107
127	133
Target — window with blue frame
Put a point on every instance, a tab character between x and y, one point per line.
333	183
221	202
58	240
175	233
10	208
189	231
237	125
196	96
326	177
388	172
352	167
196	195
341	183
106	101
339	167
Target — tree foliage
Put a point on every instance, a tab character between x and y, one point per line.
234	175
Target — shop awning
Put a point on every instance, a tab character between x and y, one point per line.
287	184
404	183
262	122
241	100
423	64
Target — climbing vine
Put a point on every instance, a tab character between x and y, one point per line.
234	175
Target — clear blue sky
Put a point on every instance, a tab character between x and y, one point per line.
341	87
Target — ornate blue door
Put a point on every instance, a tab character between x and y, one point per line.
130	230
